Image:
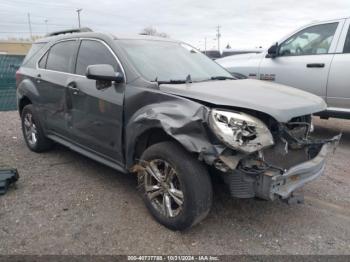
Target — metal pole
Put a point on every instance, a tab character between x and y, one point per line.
30	27
218	35
78	11
46	25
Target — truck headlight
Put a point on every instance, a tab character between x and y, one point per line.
240	131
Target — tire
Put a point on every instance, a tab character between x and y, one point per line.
191	178
40	143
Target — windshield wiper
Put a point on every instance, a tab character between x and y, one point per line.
175	81
172	81
221	77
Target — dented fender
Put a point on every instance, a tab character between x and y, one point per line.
184	120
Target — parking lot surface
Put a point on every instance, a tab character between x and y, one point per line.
65	203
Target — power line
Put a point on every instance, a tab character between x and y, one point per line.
55	5
25	23
21	32
67	7
32	15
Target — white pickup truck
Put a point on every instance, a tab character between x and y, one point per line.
315	58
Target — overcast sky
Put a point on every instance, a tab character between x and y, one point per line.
244	24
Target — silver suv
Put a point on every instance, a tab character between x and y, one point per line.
315	58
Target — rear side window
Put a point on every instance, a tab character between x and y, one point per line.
42	62
347	42
33	50
61	56
93	53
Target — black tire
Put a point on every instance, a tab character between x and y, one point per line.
42	143
195	183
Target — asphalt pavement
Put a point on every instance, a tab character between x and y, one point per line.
65	203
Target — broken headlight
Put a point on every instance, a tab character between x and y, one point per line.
240	131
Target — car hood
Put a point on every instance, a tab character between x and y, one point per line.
228	60
279	101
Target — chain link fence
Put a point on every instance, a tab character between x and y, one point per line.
9	64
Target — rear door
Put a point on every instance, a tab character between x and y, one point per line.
96	116
304	59
54	73
338	88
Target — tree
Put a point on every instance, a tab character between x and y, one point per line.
152	31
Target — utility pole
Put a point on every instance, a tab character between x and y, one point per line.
205	45
78	11
30	27
46	25
218	35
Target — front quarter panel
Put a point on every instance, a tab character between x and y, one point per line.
182	119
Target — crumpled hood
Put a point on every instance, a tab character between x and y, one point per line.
279	101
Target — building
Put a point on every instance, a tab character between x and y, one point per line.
14	47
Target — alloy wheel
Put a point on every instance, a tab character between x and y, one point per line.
163	188
30	129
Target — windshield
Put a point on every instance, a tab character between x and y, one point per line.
171	61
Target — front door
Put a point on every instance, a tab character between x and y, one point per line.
96	116
338	88
304	59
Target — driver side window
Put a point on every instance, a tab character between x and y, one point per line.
313	40
93	52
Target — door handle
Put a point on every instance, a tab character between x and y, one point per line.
315	65
38	78
73	87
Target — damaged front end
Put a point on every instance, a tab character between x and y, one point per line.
269	160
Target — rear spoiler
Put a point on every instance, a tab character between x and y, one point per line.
70	31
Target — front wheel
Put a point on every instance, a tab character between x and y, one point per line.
175	186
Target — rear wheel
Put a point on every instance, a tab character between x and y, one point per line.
175	186
32	131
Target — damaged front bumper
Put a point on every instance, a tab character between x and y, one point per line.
282	185
274	183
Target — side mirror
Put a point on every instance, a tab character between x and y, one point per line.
272	51
103	73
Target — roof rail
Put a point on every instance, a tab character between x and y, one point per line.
70	31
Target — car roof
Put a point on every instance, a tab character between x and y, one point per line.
329	20
100	35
